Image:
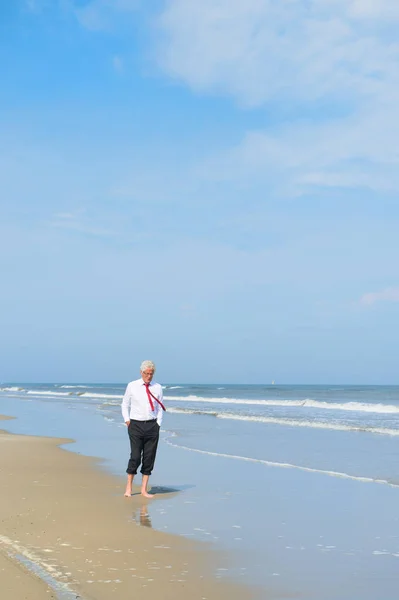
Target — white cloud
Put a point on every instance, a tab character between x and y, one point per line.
374	8
256	49
79	222
299	53
31	5
262	52
65	216
36	6
98	15
359	151
388	295
117	63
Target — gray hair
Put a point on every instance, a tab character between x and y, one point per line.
147	364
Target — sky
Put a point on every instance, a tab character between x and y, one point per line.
211	185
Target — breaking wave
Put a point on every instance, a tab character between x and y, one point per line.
283	465
307	403
288	422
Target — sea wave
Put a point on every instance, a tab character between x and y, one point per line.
48	393
72	387
99	395
173	387
281	465
52	575
287	422
307	403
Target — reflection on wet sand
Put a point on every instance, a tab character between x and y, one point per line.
142	516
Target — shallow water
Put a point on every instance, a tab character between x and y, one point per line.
304	510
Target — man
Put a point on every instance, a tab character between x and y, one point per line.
142	411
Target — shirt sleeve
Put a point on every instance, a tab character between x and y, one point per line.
160	409
126	404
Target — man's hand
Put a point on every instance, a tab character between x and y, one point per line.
127	423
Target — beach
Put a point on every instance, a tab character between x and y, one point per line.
68	532
265	491
17	582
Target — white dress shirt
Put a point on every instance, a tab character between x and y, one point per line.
135	403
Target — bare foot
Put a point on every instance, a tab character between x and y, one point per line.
128	493
146	494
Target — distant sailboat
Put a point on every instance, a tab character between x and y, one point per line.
273	382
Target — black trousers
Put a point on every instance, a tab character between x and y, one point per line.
144	436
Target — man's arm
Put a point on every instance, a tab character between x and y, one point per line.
126	405
160	411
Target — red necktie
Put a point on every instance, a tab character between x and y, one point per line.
149	394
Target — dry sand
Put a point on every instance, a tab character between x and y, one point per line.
62	513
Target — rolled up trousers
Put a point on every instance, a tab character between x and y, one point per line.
143	436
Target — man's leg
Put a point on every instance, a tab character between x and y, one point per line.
149	453
136	447
144	486
129	485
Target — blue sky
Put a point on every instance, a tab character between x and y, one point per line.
213	185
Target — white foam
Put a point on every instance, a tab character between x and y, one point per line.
43	569
308	403
353	406
72	387
288	422
302	404
270	463
193	398
94	395
48	393
312	424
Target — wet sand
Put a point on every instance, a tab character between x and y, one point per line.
70	520
17	583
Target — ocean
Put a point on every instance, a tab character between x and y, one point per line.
298	485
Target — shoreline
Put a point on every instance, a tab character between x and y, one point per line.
18	582
282	532
88	542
